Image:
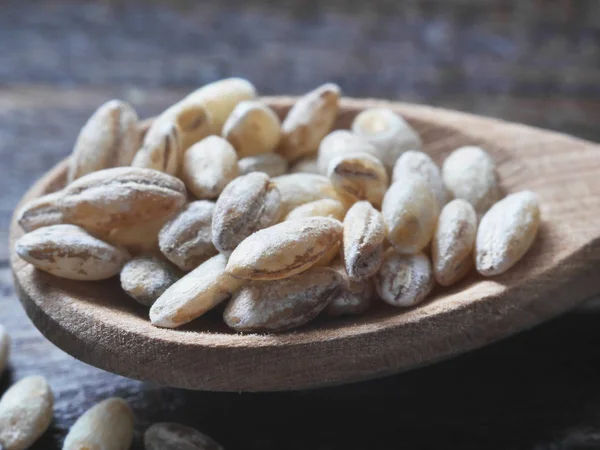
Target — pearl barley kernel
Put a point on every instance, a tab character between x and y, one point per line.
339	143
418	164
410	212
107	426
308	121
285	249
453	242
248	204
404	280
363	241
506	232
108	139
25	413
282	304
470	173
358	176
209	166
389	133
252	128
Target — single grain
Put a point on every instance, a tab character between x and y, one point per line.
506	232
410	212
309	120
248	204
470	173
68	251
106	426
404	280
162	148
453	242
283	304
194	294
364	234
109	138
186	240
209	166
146	278
339	143
299	188
41	212
252	128
358	176
389	133
25	413
418	164
121	197
284	249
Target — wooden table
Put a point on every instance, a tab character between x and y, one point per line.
536	62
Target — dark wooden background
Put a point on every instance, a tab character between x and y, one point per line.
536	62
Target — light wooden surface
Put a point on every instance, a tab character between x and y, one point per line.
100	325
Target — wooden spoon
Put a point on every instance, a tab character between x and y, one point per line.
97	323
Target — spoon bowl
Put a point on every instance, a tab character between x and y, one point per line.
100	325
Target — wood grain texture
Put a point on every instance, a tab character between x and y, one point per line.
100	325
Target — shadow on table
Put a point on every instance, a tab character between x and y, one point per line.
536	390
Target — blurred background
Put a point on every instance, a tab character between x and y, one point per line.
530	61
